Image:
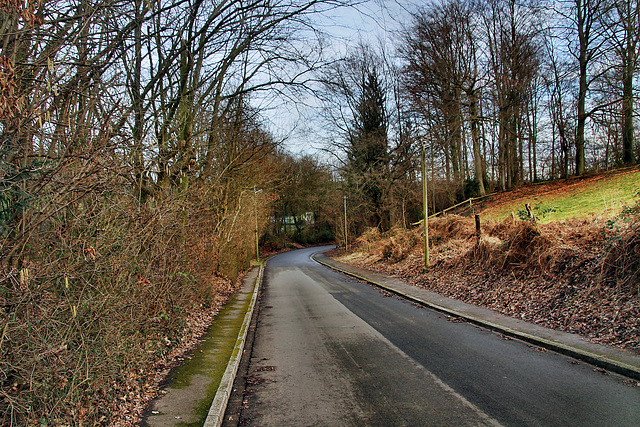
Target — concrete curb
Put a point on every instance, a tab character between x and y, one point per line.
596	359
218	407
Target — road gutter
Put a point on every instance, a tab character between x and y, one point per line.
627	365
218	407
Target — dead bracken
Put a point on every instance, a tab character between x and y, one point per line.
578	276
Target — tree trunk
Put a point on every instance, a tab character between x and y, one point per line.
502	154
553	148
533	140
627	115
138	109
582	118
582	89
475	136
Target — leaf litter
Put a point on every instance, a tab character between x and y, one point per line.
578	276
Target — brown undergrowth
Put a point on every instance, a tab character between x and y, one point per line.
579	276
99	293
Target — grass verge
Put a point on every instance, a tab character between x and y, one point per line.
598	196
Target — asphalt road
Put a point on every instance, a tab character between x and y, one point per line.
331	351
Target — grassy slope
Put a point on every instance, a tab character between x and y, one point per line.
596	196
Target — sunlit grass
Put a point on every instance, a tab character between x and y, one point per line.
604	197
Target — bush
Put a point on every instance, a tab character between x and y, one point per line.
621	266
316	233
99	287
13	198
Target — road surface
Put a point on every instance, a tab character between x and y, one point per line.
332	351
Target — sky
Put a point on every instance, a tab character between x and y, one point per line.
372	21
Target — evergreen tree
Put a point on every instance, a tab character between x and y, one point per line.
368	158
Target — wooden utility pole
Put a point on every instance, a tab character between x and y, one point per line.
255	212
346	241
425	206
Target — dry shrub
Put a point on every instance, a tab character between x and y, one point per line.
578	276
488	251
100	287
622	263
529	248
451	227
398	244
393	245
449	237
371	235
621	266
522	247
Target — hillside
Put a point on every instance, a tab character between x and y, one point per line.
600	195
578	275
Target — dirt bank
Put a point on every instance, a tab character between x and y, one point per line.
579	276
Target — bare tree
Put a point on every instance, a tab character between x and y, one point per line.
187	71
558	83
514	62
444	81
373	135
623	36
585	38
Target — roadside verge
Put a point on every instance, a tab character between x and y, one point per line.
572	345
218	407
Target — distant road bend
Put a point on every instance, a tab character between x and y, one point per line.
332	351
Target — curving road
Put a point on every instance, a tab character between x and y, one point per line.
332	351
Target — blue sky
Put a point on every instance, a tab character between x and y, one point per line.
373	21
